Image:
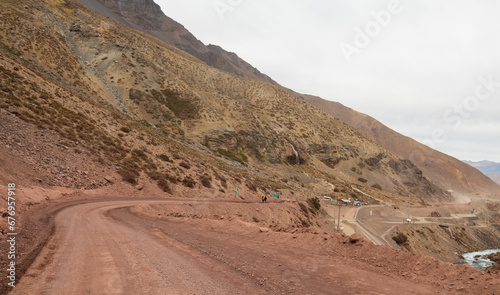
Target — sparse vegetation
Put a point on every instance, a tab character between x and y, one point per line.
128	176
315	202
125	129
188	181
234	155
185	165
400	239
251	185
164	185
164	157
206	180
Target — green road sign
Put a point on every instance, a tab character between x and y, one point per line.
236	191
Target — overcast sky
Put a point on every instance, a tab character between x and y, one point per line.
427	69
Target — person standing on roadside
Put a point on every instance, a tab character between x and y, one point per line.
265	199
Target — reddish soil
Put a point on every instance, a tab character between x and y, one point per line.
163	247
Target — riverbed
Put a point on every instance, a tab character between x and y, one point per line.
478	259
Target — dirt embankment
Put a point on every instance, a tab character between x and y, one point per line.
446	243
441	231
325	258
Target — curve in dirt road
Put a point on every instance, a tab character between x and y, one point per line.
135	247
91	253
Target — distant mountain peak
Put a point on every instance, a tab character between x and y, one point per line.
485	166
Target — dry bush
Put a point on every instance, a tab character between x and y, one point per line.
164	185
164	157
206	180
400	239
185	165
188	182
128	176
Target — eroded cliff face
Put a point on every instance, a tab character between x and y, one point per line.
448	243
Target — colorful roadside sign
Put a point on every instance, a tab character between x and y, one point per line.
236	191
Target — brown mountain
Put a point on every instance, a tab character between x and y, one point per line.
443	170
115	94
146	16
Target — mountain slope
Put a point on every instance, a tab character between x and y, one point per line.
445	171
146	16
248	124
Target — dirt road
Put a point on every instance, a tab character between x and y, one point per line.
108	248
93	254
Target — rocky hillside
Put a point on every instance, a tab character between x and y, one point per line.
146	16
444	171
441	169
134	103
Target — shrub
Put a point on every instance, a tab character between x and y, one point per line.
400	238
125	129
206	180
164	185
377	186
251	186
315	203
185	165
303	208
361	179
128	176
139	153
188	182
172	179
223	182
164	157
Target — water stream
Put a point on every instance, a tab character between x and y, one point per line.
478	259
297	159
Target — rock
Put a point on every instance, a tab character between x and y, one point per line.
75	28
354	238
263	230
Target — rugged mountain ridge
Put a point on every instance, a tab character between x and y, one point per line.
248	124
146	16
